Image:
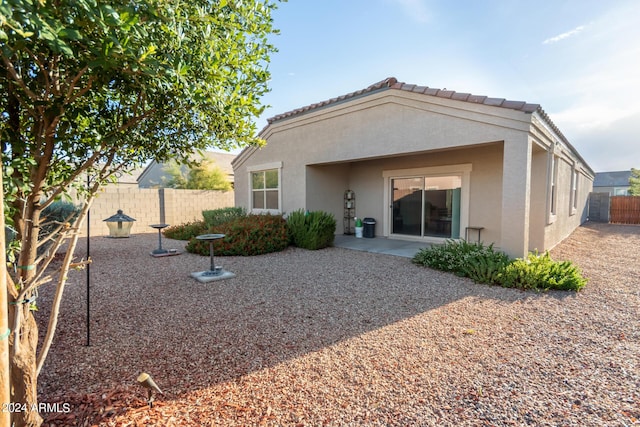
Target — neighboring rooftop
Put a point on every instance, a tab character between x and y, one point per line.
153	174
612	179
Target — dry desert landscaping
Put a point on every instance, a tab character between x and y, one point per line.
339	337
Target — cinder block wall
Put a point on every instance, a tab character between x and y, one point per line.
153	206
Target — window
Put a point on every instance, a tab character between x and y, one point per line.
554	185
265	190
574	192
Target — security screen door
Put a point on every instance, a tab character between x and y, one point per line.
426	206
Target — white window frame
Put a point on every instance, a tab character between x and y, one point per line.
263	168
573	208
554	161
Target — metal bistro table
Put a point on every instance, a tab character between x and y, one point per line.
214	272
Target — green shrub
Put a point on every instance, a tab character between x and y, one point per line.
483	264
52	217
55	214
311	230
245	236
541	272
216	217
486	266
454	256
185	231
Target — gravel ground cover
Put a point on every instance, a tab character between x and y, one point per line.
338	337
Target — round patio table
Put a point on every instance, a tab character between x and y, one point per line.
213	270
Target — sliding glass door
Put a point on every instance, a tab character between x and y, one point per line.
426	206
407	201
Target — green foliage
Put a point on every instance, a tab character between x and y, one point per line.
486	267
177	177
216	217
185	231
101	88
311	230
542	273
454	256
484	264
98	88
634	182
246	236
204	175
57	214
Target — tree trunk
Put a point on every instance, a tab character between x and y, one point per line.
24	380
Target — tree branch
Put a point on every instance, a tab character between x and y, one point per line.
18	79
62	280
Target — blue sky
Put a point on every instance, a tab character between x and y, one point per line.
578	59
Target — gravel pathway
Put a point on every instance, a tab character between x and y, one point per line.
340	337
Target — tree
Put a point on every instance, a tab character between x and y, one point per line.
91	89
634	182
204	175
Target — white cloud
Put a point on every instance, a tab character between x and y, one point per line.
562	36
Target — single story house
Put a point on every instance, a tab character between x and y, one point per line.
615	183
425	163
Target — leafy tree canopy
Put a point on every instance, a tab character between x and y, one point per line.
634	182
93	87
202	176
87	84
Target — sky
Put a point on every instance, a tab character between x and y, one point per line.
578	59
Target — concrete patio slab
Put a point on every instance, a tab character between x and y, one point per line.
381	245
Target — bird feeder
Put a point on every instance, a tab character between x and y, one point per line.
119	224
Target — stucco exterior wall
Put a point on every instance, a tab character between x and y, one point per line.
538	204
567	218
379	125
350	145
366	179
387	124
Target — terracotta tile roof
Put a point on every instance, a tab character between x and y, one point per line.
393	83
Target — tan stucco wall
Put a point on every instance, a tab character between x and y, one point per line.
538	204
367	181
566	219
349	145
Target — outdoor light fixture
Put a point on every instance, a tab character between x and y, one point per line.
119	224
147	382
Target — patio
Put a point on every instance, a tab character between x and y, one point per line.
380	245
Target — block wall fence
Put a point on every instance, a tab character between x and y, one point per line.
153	206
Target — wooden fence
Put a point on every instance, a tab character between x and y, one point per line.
625	210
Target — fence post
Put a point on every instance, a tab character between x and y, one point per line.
163	217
